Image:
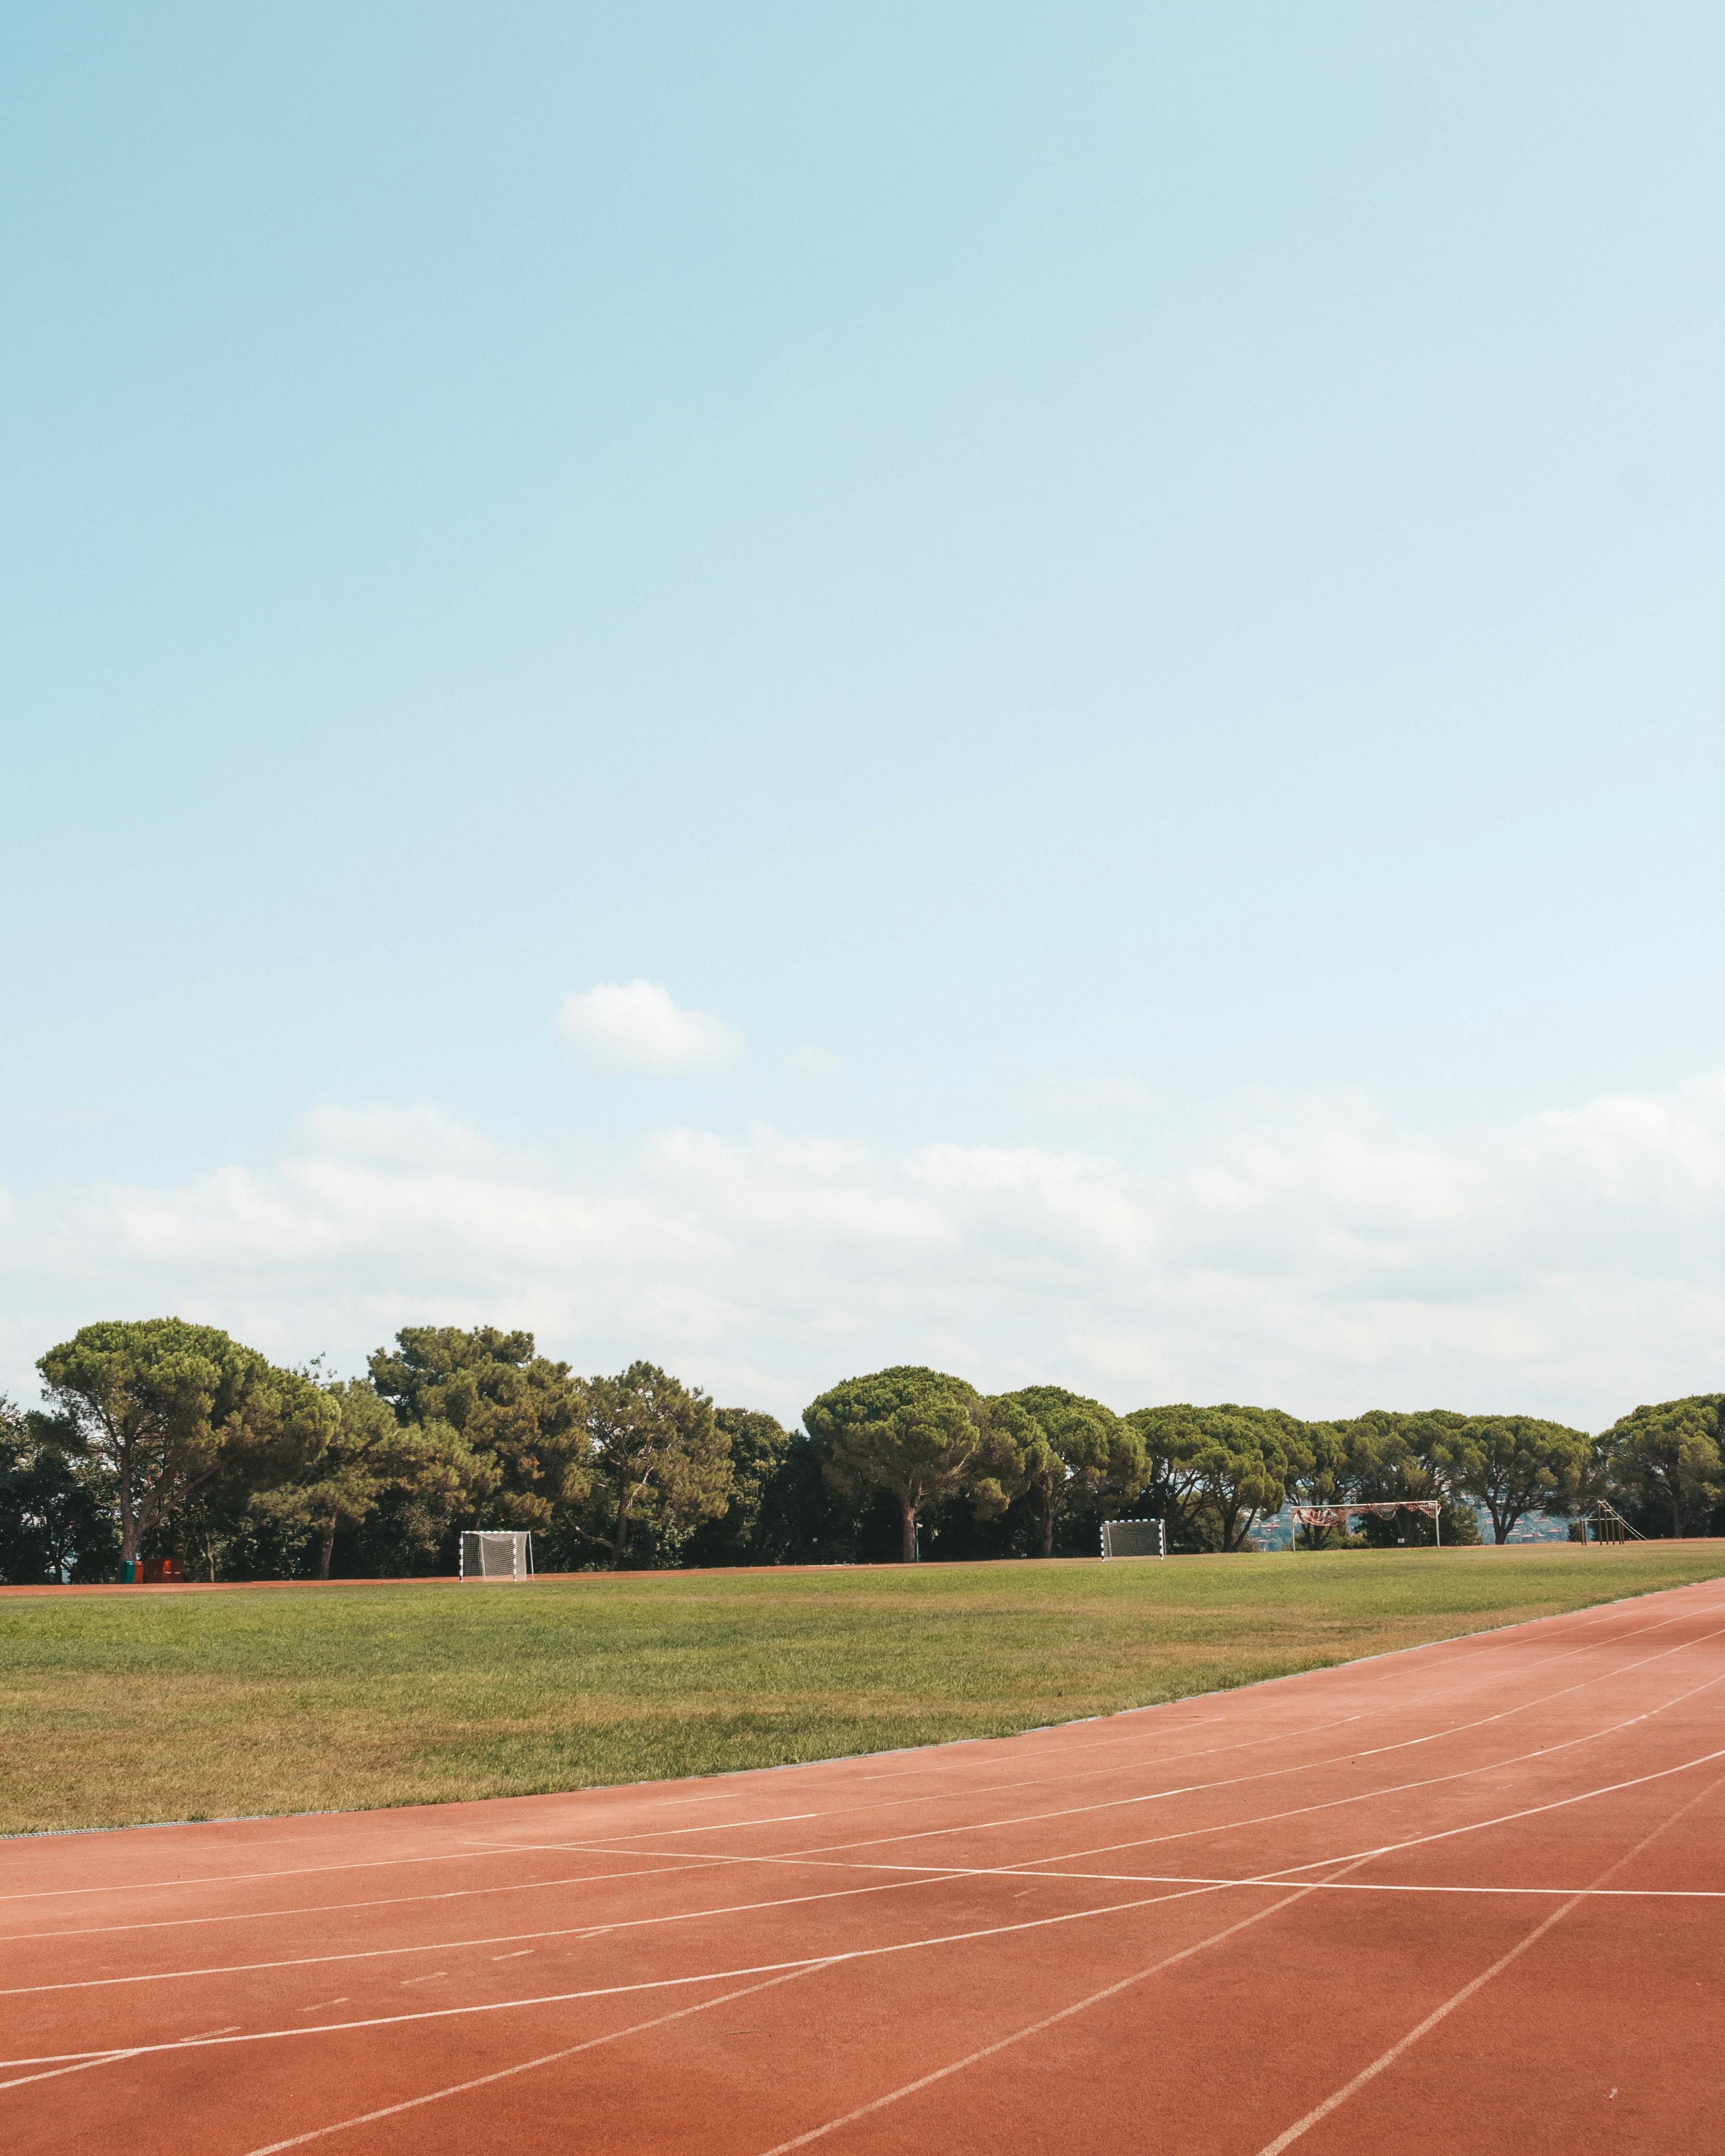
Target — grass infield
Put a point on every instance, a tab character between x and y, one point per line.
117	1709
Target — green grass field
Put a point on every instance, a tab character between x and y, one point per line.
120	1709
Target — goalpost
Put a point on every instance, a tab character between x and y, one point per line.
496	1555
1134	1538
1338	1514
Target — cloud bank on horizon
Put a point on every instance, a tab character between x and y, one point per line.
1303	1251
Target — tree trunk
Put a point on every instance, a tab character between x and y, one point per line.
328	1551
1048	1513
128	1517
907	1517
619	1545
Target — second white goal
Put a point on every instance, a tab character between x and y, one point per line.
496	1554
1134	1538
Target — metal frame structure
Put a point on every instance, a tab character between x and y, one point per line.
1338	1514
1160	1525
1609	1525
521	1545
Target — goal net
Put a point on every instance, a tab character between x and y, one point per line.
496	1556
1134	1538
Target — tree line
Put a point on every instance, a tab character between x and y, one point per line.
161	1438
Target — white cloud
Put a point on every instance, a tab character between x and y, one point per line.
1107	1095
809	1061
1304	1251
635	1026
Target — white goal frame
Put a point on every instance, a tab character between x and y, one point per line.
1109	1525
1338	1513
489	1553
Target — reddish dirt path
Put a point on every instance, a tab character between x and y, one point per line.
1470	1898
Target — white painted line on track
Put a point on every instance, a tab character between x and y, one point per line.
1386	2059
1032	2029
679	1862
618	1990
1097	1998
360	1864
1505	1819
970	1794
526	2066
1259	1880
933	1873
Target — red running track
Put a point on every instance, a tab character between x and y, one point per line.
1470	1898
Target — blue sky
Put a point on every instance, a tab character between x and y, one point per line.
1128	599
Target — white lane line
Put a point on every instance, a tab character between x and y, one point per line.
584	1930
1110	1991
595	1843
1505	1819
1389	2058
653	1984
83	2066
323	2005
1361	1885
359	1864
434	1976
526	2066
1468	1681
677	1862
1032	2029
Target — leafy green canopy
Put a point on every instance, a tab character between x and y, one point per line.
759	1447
608	1468
56	1504
1509	1465
1514	1464
506	1421
1065	1450
658	1461
166	1407
1213	1473
371	1454
916	1432
1668	1461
